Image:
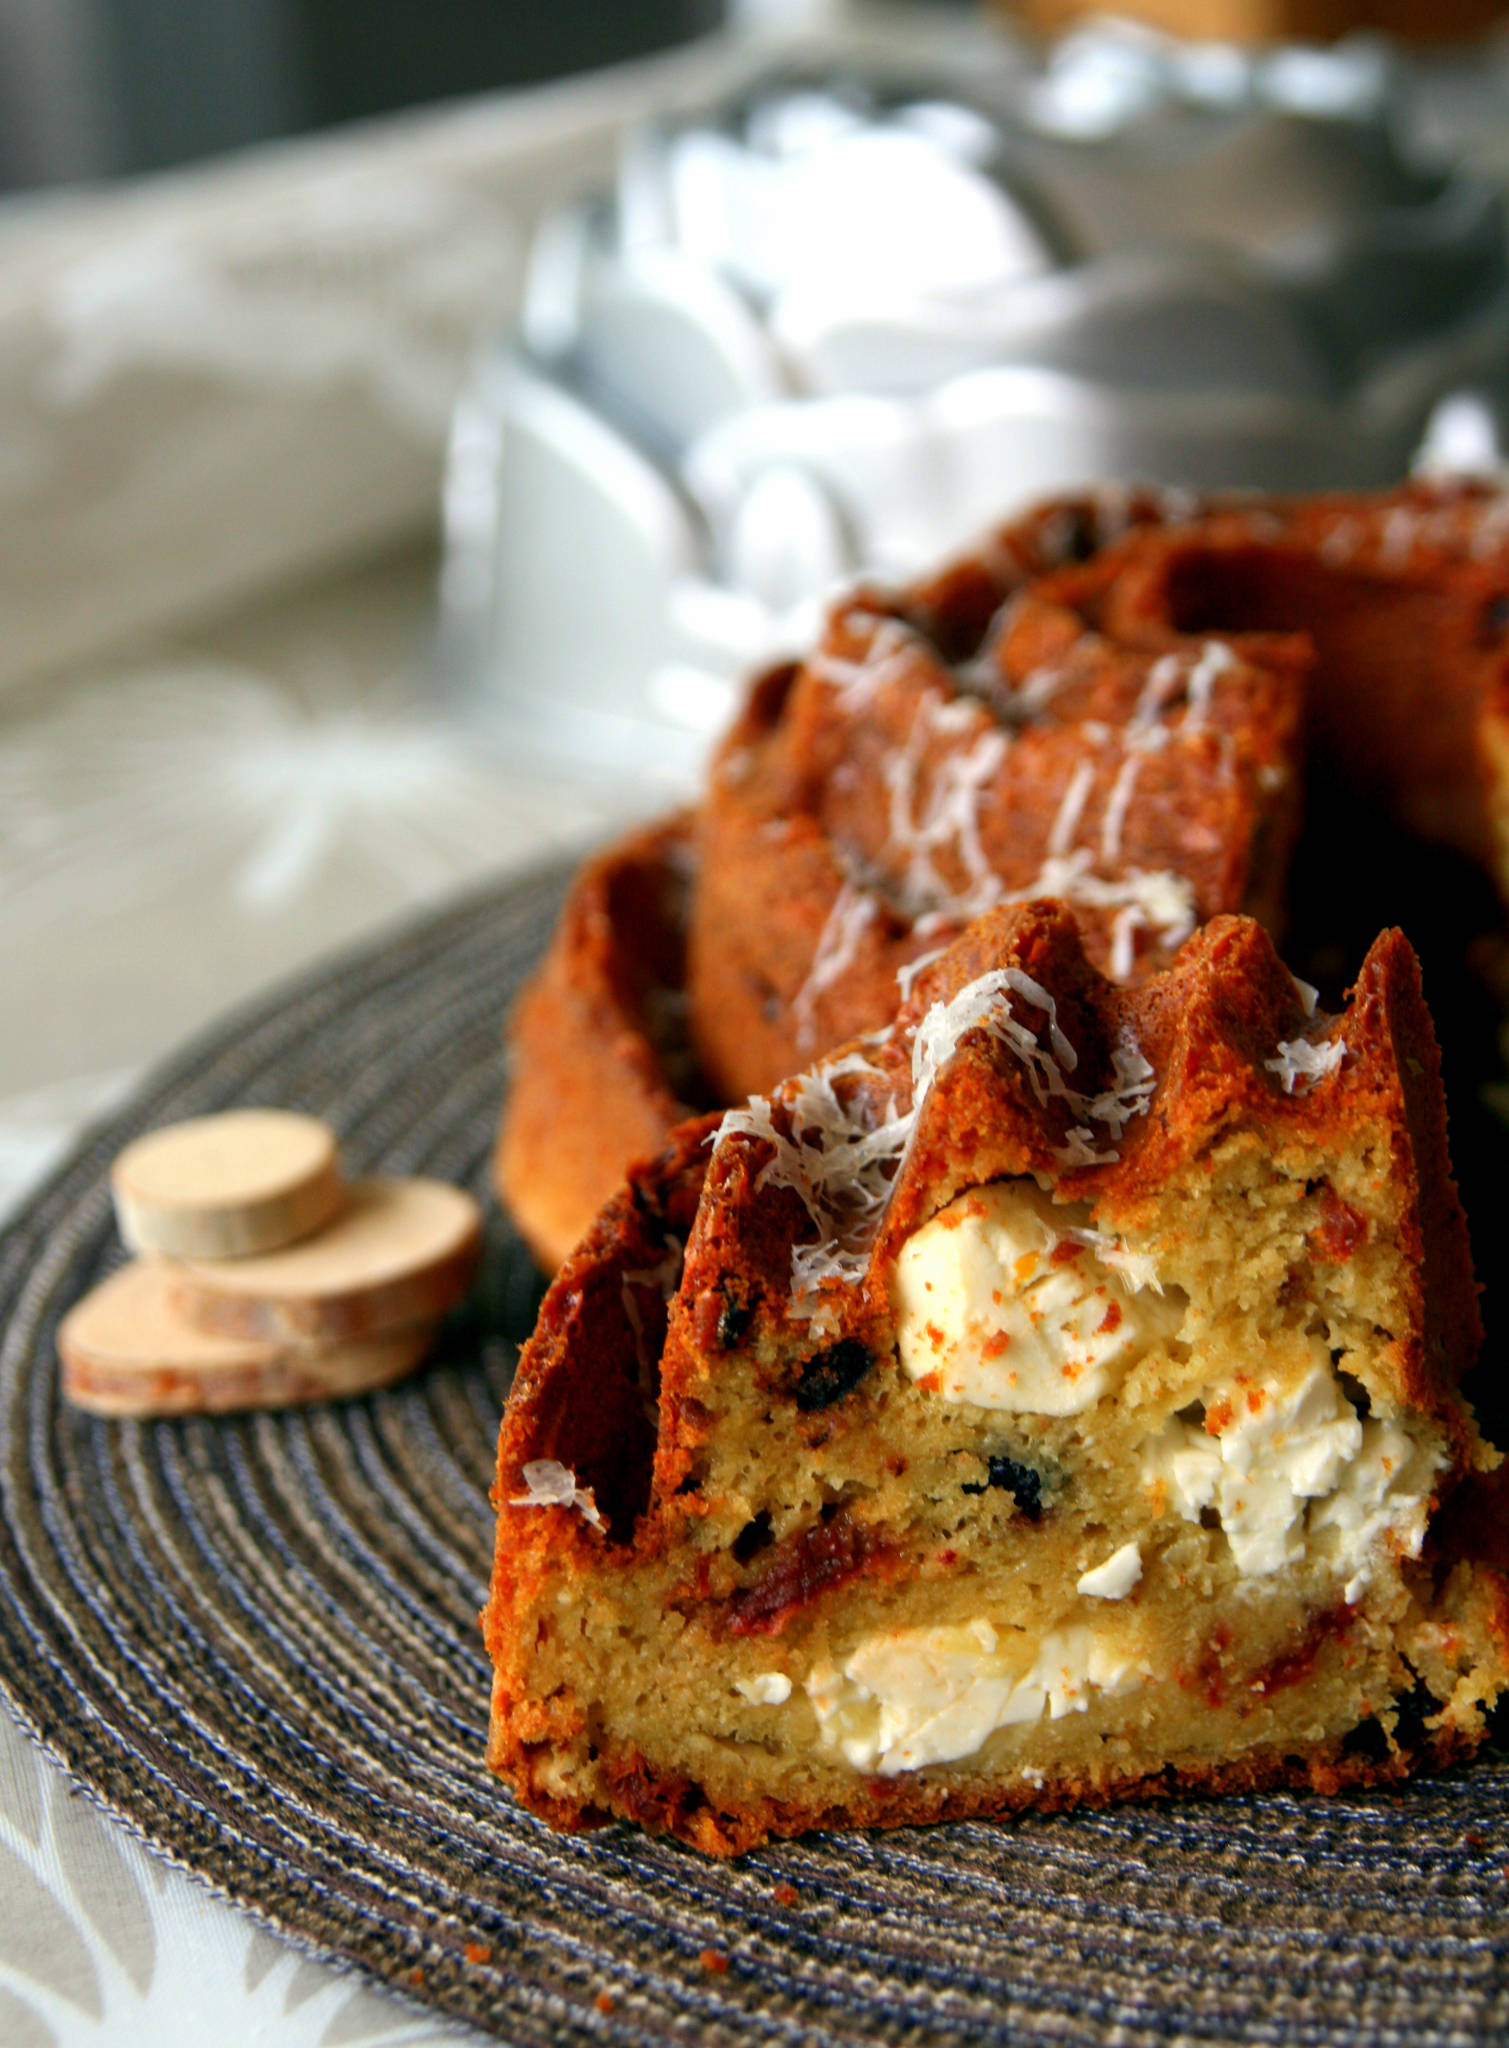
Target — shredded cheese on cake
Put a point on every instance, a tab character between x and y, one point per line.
933	817
841	1157
1070	810
948	818
854	911
1166	900
1300	1064
553	1485
1117	805
1216	660
890	654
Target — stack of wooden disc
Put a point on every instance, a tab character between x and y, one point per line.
261	1277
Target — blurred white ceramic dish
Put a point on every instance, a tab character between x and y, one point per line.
836	326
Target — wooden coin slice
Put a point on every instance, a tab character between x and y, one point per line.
224	1187
126	1351
401	1252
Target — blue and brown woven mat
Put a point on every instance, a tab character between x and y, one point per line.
256	1641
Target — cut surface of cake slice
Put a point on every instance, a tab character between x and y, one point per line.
1047	1400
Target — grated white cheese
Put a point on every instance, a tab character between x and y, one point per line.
947	818
854	911
552	1485
1145	730
1070	810
1166	900
839	1167
907	975
1179	504
1216	660
1125	926
891	652
842	1167
1039	687
1116	807
1300	1065
1340	544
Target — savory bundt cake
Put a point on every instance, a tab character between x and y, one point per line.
600	1061
1049	1399
1104	704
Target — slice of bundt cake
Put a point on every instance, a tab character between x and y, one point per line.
1048	1399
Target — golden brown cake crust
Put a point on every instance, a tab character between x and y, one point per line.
630	1396
600	1069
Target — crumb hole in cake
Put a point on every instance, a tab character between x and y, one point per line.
1210	1518
1193	1413
828	1375
1368	1740
754	1537
1352	1387
1412	1711
1293	1294
1235	590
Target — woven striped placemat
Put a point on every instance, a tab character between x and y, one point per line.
256	1641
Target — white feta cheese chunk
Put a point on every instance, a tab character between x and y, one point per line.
765	1689
1385	1495
1114	1579
1005	1299
1284	1465
923	1696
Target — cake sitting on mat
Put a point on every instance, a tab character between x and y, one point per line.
1048	1400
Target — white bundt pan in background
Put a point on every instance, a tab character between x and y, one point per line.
838	325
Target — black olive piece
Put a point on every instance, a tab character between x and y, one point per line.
828	1375
1023	1484
733	1320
